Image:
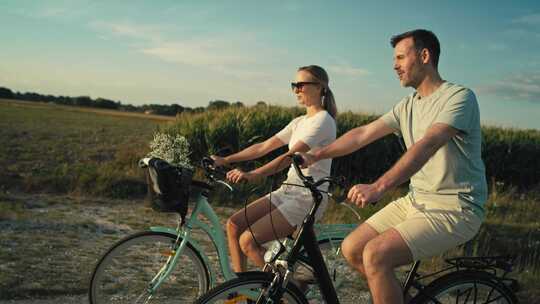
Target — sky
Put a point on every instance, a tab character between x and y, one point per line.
192	52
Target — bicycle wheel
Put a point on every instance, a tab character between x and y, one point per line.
466	287
247	288
349	286
124	273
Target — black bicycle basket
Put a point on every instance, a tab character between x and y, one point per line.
168	186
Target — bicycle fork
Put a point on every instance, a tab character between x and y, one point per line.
173	254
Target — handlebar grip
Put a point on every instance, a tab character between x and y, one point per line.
298	159
207	162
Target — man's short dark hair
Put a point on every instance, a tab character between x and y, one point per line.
423	39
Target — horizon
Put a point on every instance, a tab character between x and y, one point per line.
192	53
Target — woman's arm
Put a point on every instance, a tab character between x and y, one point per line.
276	165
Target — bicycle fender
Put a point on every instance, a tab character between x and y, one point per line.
333	231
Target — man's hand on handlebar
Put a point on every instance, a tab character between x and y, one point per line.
363	194
308	158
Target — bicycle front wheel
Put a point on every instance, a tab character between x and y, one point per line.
466	287
247	289
127	272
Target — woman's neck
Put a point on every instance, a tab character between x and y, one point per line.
312	110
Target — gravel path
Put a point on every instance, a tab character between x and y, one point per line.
49	245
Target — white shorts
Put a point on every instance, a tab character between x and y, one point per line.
428	228
295	202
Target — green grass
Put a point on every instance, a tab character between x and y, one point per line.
72	150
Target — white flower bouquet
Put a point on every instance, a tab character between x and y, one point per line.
174	149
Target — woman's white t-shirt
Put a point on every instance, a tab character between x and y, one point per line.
316	131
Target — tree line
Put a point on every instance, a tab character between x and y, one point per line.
103	103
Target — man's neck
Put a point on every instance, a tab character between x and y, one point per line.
429	84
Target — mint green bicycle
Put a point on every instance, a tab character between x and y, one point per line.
167	265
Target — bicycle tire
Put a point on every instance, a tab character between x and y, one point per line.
124	272
254	282
466	286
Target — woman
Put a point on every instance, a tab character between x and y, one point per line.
280	212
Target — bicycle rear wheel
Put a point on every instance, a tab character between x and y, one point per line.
125	272
466	287
247	288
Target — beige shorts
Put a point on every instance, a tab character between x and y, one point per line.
294	203
428	228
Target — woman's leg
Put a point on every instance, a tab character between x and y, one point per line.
268	228
238	223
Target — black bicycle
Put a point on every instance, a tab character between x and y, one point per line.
465	280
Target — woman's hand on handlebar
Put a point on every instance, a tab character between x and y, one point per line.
219	161
237	175
363	194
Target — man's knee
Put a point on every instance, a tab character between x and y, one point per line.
374	256
380	255
352	253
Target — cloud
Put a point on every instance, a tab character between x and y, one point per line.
239	54
531	20
349	71
527	26
64	11
206	53
518	87
130	30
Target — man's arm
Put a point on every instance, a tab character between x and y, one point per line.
354	140
417	156
410	163
252	152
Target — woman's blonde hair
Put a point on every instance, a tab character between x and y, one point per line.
328	102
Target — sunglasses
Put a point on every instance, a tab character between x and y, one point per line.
299	85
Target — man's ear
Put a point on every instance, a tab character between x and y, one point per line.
425	56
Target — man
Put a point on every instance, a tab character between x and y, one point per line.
440	125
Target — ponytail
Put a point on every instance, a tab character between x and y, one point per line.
329	103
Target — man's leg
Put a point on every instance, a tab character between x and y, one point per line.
353	245
238	223
381	255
